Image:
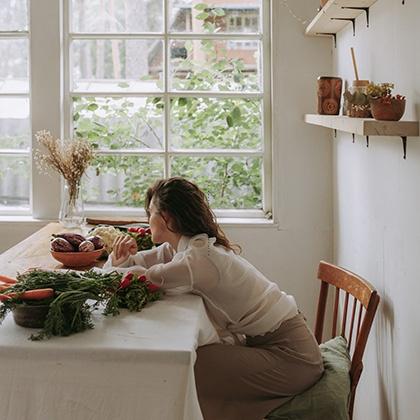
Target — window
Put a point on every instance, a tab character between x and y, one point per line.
14	107
160	87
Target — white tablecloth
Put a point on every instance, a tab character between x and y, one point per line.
136	366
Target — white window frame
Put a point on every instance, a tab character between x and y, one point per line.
46	103
51	100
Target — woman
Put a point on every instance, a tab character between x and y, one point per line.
274	355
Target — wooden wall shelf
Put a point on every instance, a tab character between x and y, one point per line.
367	127
336	14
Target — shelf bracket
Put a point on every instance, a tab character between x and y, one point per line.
352	20
367	141
330	34
335	132
365	9
404	143
353	135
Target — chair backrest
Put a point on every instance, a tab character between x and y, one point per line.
355	323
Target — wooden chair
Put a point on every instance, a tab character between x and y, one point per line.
356	321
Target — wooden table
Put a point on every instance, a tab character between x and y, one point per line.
132	366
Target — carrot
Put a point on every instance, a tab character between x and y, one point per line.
4	286
2	283
37	294
4	298
7	279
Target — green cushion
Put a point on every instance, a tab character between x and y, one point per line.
328	398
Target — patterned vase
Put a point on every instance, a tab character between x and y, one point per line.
329	95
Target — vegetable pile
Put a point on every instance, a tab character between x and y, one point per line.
108	234
74	242
73	296
142	236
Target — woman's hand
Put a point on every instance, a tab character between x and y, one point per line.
123	247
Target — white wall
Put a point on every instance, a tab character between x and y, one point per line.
377	208
290	253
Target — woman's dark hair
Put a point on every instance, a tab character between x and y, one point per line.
188	207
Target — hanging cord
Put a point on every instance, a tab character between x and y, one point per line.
293	14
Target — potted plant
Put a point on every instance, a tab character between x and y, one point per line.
384	105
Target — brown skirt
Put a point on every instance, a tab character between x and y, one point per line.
247	382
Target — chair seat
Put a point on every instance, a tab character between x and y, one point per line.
328	398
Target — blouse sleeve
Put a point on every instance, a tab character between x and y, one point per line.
146	259
188	269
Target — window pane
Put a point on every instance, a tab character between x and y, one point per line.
120	123
207	123
14	123
116	15
214	16
215	65
14	182
13	15
117	65
229	182
122	180
14	65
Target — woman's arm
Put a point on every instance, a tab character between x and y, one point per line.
160	254
192	269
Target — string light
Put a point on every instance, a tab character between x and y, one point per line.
293	14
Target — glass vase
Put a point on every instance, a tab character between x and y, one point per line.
71	210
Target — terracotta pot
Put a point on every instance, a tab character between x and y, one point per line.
329	95
387	111
323	3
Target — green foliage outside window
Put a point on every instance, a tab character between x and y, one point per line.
132	123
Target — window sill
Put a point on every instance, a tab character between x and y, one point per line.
251	222
22	219
246	222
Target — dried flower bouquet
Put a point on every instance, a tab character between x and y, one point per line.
70	159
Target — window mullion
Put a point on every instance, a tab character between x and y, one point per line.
13	34
109	35
173	35
67	77
172	94
45	98
13	95
216	152
167	163
267	116
14	152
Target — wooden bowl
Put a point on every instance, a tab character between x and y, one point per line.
30	316
77	259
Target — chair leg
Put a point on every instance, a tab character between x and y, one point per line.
351	404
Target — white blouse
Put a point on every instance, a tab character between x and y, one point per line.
239	299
